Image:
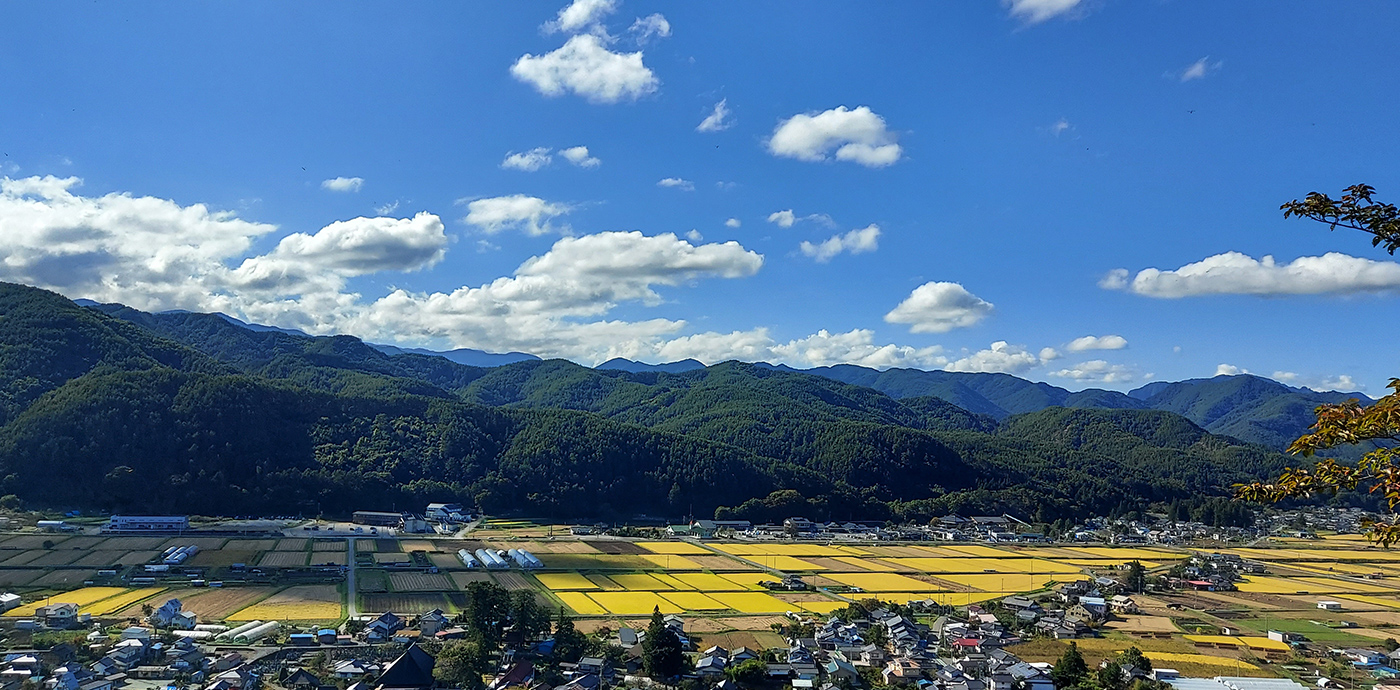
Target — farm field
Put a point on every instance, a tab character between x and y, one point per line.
300	603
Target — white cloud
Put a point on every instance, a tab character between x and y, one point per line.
936	307
1117	279
1060	127
1001	357
652	25
303	263
386	209
529	214
1097	371
1048	354
578	155
786	219
859	136
677	183
855	347
1091	342
733	223
718	120
1229	370
1233	273
584	67
1342	382
343	184
581	15
694	235
1199	69
1037	11
528	161
859	241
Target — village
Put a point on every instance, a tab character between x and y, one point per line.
1297	599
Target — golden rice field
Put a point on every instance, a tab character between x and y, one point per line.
1165	658
1001	582
643	582
866	563
1375	601
121	601
558	581
707	582
935	566
694	601
581	604
300	603
883	582
81	597
785	563
633	603
752	602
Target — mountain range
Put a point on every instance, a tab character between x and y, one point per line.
193	412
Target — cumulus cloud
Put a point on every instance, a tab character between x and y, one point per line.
1092	342
1037	11
343	184
1229	370
1199	69
859	241
1341	383
650	26
855	347
677	183
343	249
578	155
585	67
1097	371
718	120
694	235
733	223
1233	273
1001	357
529	214
581	15
938	307
528	161
783	219
858	136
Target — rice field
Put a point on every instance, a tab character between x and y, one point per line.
565	581
643	582
81	597
706	582
300	603
671	562
883	582
677	548
751	602
1000	582
633	603
113	604
1246	642
581	604
694	601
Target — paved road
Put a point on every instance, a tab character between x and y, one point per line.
351	606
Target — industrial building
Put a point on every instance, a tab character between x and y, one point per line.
146	523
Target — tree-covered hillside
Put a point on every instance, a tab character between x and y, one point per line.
189	412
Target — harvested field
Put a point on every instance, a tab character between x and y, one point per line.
86	543
251	544
420	582
21	558
411	545
134	543
604	582
328	558
371	581
671	562
883	582
202	542
100	559
513	581
18	578
389	545
752	640
382	557
328	545
462	579
51	558
764	623
1008	582
822	608
446	561
367	545
63	578
574	561
403	604
292	544
283	559
720	563
1132	624
679	548
844	564
802	596
31	541
784	563
302	603
622	548
222	558
137	557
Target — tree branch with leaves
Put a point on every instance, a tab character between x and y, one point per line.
1348	423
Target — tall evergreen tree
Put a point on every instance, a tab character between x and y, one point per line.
569	643
1070	669
662	656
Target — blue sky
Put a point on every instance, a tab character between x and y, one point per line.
975	185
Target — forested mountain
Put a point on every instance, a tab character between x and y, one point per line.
1250	408
192	412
